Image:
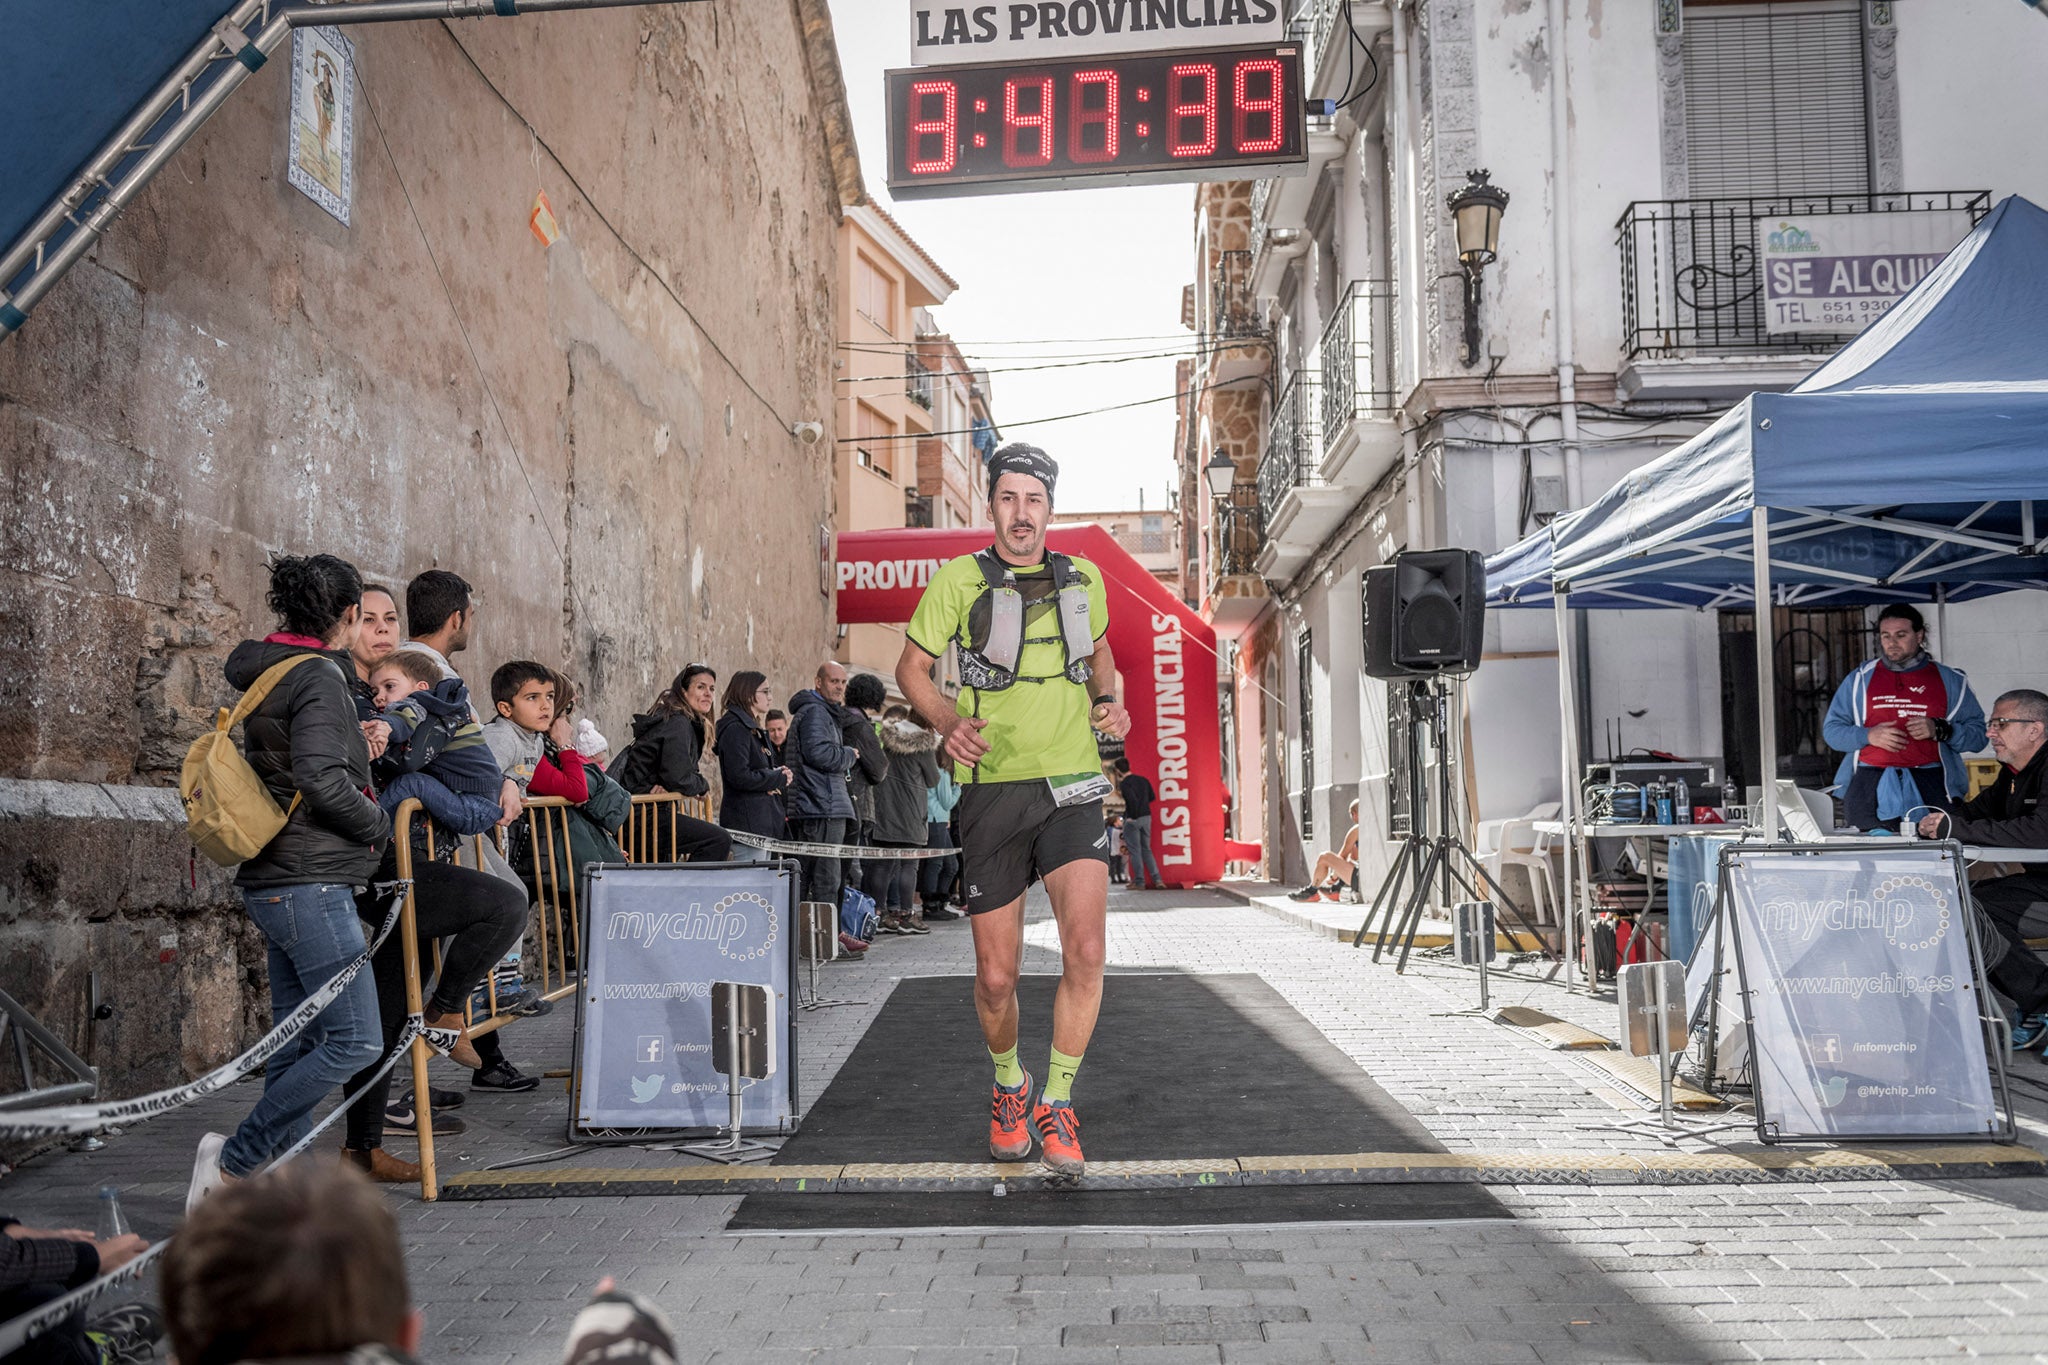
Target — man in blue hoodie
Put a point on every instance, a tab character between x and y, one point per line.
1905	723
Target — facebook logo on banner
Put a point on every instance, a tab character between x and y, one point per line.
649	1049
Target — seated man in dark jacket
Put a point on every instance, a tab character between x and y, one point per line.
2008	814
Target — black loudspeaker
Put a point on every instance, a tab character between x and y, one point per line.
1424	613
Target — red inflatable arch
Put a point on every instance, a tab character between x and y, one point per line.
1165	658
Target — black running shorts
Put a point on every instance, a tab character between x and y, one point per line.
1011	834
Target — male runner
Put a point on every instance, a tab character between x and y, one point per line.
1024	750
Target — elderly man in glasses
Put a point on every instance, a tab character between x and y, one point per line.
2009	814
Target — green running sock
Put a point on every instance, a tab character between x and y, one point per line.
1008	1074
1059	1077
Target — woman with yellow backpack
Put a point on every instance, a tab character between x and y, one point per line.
320	839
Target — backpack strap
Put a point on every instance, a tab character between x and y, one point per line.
1071	595
255	696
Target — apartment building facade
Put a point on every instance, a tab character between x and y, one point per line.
914	413
1358	393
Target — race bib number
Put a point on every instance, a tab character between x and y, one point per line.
1077	789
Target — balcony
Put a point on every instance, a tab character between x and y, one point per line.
917	381
1237	594
1325	32
1298	509
1238	346
1361	438
1692	307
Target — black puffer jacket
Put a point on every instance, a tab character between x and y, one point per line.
304	740
819	758
667	752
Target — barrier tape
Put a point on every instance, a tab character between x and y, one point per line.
860	851
90	1118
16	1333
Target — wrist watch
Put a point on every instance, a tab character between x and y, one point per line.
1106	699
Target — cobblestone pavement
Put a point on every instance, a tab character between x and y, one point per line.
1851	1271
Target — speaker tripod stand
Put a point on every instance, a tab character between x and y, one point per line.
1424	859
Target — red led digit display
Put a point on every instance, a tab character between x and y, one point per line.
1191	110
1027	120
1254	105
1215	114
1091	117
934	142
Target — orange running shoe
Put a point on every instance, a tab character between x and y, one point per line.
1059	1138
1009	1137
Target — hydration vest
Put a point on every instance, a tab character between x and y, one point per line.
993	639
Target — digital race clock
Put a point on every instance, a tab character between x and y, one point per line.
1209	114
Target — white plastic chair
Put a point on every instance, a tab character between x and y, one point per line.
1522	846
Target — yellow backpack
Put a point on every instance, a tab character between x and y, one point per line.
229	813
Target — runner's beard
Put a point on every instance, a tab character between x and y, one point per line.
1034	534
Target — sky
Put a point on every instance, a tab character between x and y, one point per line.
1046	277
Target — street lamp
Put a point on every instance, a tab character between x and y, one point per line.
1221	471
1476	208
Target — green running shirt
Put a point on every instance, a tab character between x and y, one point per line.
1035	730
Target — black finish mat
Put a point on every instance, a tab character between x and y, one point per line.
1181	1066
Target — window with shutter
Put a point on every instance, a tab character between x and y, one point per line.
1774	99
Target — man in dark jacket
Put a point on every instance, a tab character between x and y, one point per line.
820	810
2008	814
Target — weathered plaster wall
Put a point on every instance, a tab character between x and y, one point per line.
235	374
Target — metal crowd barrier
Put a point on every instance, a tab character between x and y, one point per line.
553	890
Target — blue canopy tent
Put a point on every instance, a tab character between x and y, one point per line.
100	95
1908	466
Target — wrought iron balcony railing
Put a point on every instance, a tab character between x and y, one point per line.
1358	358
1233	311
1293	457
1262	215
1235	537
1691	280
917	381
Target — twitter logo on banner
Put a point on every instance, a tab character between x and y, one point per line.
646	1088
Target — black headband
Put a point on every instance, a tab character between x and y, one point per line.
1018	458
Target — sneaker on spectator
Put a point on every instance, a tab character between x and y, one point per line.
524	1002
206	1172
400	1118
1306	894
127	1335
445	1099
913	925
2028	1032
889	924
849	946
504	1077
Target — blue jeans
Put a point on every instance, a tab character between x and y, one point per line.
313	932
1138	849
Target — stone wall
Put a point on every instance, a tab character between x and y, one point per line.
595	434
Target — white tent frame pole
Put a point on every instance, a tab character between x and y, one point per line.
1766	672
1568	757
240	60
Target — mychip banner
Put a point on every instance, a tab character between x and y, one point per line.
1859	970
655	938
